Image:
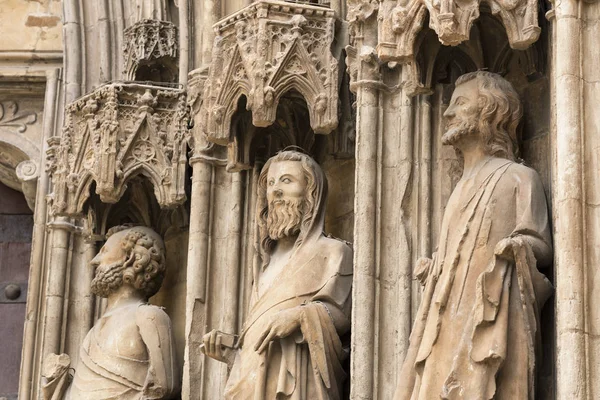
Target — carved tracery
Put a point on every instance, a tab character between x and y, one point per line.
401	29
150	51
263	52
452	21
115	133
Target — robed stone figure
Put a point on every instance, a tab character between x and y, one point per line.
129	354
290	346
476	335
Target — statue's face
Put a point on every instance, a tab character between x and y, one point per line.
108	266
286	190
462	115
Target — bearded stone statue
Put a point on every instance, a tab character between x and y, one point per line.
476	335
290	346
129	353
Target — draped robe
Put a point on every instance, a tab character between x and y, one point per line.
476	333
104	372
307	365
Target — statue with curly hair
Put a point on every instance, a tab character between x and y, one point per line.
476	335
129	353
290	346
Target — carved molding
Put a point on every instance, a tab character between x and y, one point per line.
264	51
114	134
150	42
452	21
28	173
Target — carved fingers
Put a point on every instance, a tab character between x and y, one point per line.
281	325
212	345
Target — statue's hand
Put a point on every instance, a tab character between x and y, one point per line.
505	247
423	269
213	347
281	325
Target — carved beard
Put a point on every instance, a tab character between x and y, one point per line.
284	218
458	131
108	279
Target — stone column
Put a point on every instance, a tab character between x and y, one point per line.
38	245
56	267
567	210
234	254
80	300
184	41
576	196
367	87
74	46
196	272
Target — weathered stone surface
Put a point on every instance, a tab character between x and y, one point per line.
265	51
476	334
299	304
129	353
114	134
390	177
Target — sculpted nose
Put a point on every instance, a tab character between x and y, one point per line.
449	113
95	262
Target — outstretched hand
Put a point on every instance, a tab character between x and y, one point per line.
281	325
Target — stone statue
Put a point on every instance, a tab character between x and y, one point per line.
476	335
129	353
290	347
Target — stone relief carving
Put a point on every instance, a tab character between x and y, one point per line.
399	23
262	53
28	173
452	21
129	353
11	118
290	346
476	335
115	133
154	44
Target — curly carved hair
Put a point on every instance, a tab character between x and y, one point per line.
500	113
144	266
309	168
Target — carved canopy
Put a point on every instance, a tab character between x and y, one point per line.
154	44
113	134
264	51
452	21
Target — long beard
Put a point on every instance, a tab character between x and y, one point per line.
284	218
457	132
108	279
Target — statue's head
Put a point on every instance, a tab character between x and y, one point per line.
132	256
289	186
485	107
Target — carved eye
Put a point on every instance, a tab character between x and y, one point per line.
286	180
271	182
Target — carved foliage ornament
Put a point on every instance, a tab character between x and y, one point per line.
10	117
115	133
149	41
264	51
452	21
